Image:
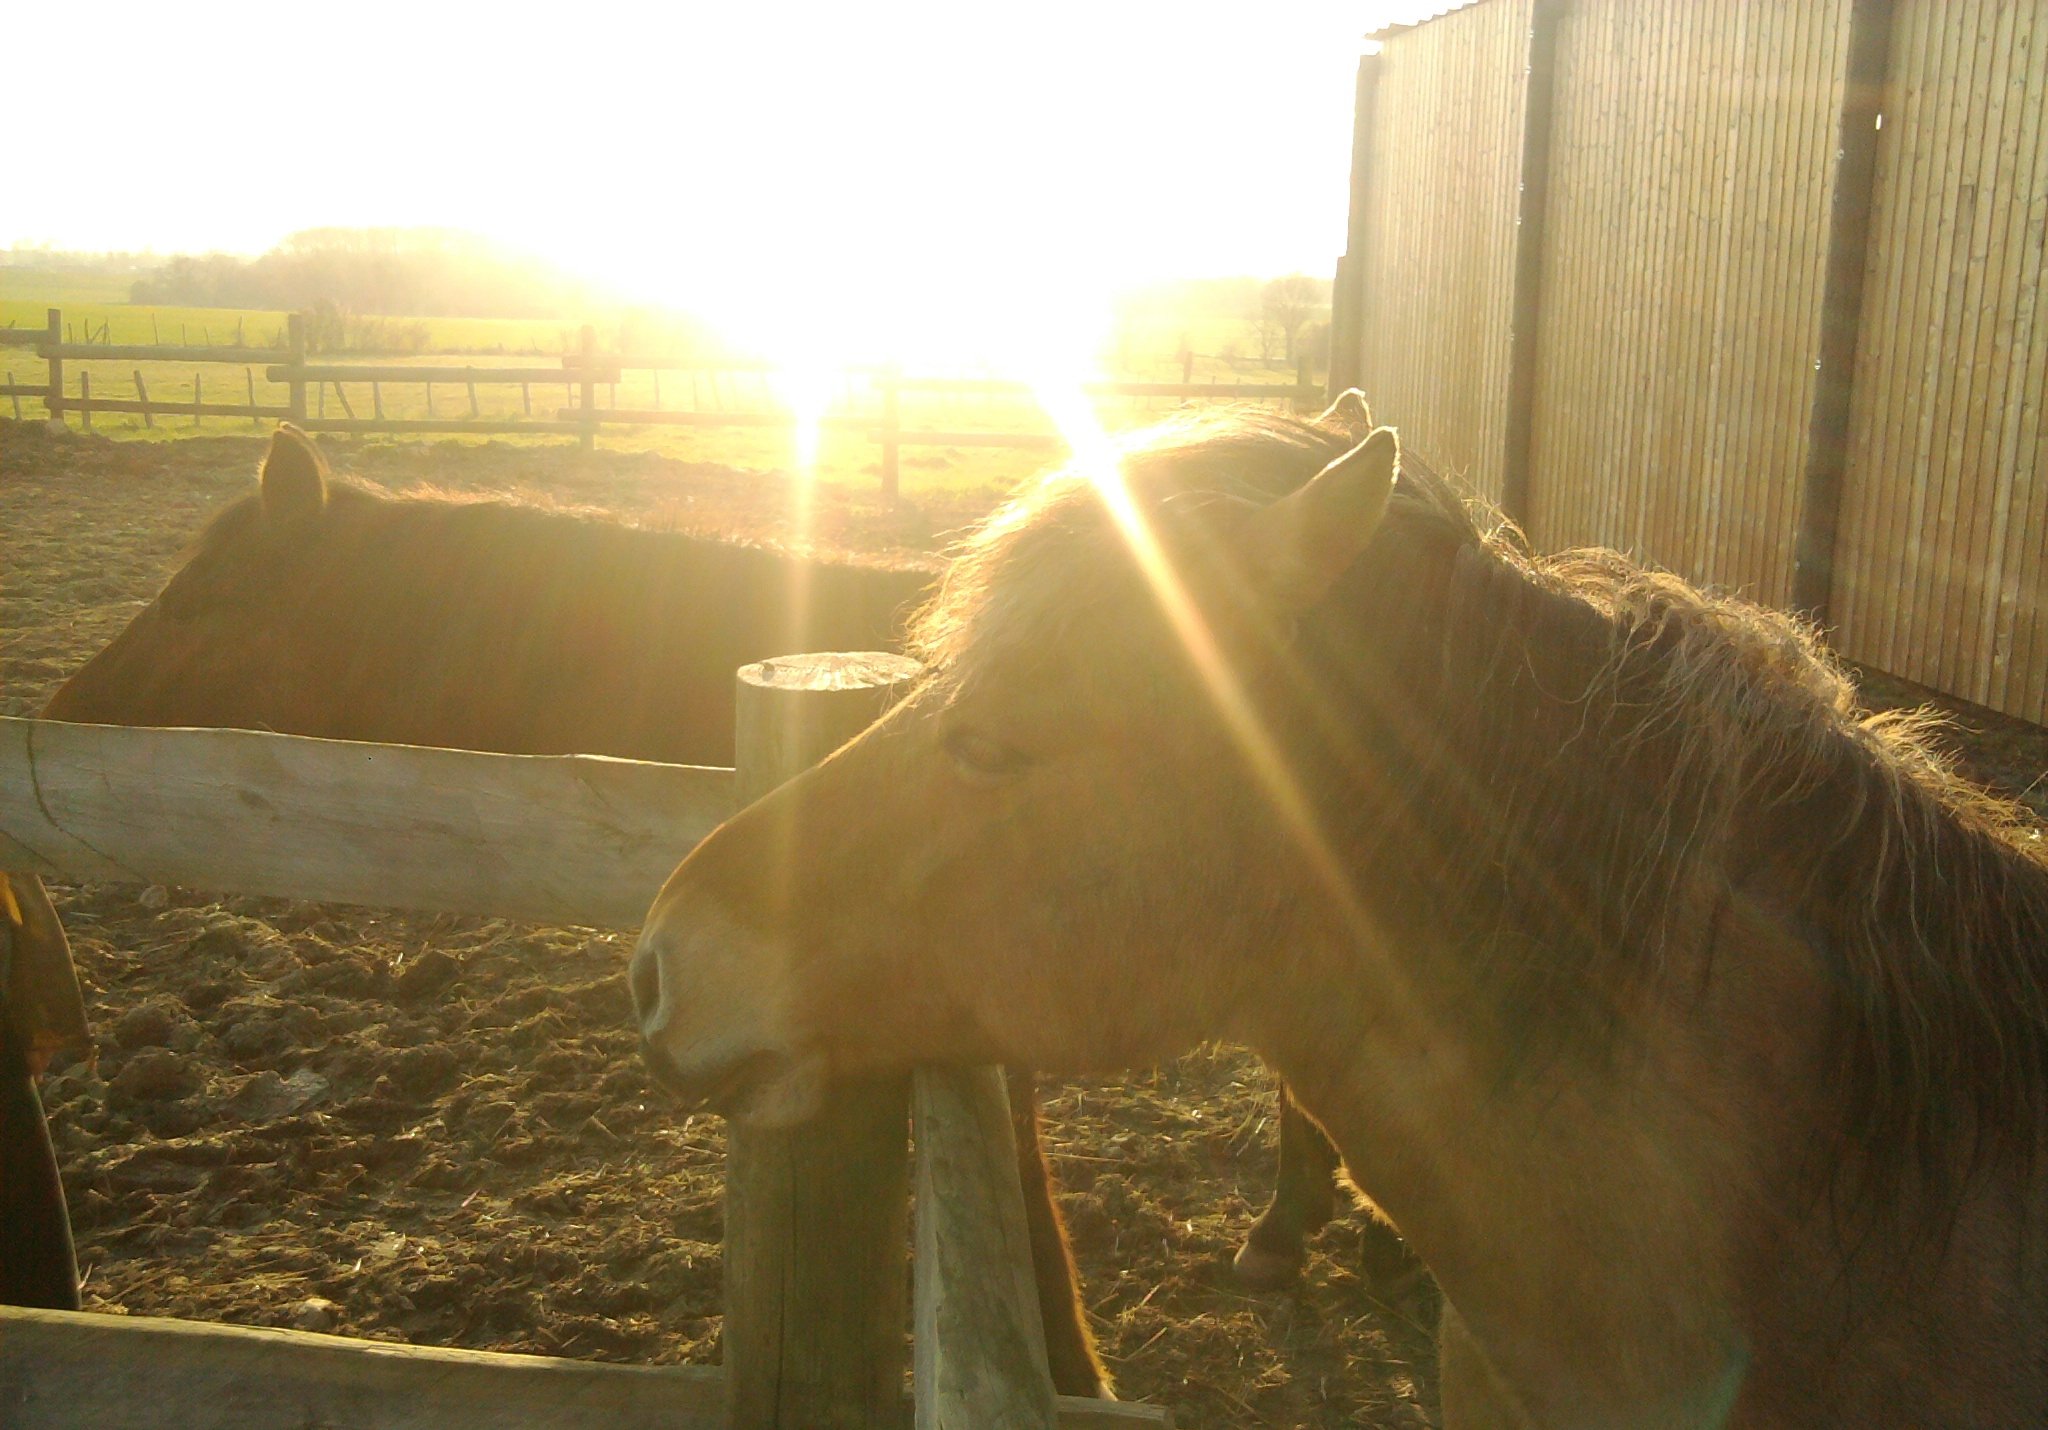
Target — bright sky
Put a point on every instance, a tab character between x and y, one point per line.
1028	155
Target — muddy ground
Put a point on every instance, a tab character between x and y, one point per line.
436	1130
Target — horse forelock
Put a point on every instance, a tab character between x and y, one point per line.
1023	581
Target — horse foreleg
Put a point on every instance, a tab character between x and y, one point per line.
1469	1393
1304	1200
1069	1348
37	1266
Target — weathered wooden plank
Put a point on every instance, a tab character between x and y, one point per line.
980	1358
425	372
1848	257
912	437
814	1217
1526	303
1433	249
681	417
1234	391
148	352
1080	1413
574	839
182	409
435	424
71	1370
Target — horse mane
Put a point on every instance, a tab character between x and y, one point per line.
1564	688
1582	680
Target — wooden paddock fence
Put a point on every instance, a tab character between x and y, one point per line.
815	1236
1751	289
579	374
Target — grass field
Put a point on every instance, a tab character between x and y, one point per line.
92	300
844	456
95	303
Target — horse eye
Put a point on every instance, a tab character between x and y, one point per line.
984	756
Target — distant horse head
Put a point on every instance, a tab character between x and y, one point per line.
1692	1026
213	649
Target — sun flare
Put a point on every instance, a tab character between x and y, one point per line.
1095	455
939	185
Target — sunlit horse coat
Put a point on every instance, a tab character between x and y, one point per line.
1692	1025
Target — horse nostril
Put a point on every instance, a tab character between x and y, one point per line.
660	1066
644	977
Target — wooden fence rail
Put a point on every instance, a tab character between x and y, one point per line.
570	839
580	372
815	1308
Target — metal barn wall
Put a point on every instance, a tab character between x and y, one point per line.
1942	564
1439	232
1691	174
1692	162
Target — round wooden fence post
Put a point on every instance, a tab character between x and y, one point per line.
295	360
53	341
816	1238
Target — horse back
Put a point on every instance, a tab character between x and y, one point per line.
476	625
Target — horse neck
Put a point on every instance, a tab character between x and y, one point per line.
1597	1056
530	632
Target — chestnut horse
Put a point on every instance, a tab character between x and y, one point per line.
1691	1025
318	607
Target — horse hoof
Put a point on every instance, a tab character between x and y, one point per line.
1257	1269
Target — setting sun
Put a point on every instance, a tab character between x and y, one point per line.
920	182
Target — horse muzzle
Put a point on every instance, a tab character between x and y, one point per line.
766	1086
708	1036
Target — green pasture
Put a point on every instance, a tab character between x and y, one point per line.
94	303
61	288
848	456
118	322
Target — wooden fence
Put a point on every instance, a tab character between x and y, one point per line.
1751	289
814	1297
579	374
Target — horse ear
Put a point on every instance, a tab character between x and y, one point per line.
294	475
1350	414
1301	544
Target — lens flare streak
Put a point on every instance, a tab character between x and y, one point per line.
1068	407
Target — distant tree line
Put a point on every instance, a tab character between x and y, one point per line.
97	260
371	271
1277	319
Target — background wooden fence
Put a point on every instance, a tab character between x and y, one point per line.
1751	289
579	375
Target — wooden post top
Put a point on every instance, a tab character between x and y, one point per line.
832	670
794	710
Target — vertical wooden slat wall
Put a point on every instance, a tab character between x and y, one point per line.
1942	573
1439	243
1692	168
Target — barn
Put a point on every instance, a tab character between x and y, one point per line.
1753	292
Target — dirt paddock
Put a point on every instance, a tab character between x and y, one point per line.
436	1130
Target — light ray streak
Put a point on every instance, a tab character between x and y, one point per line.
1095	455
805	388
